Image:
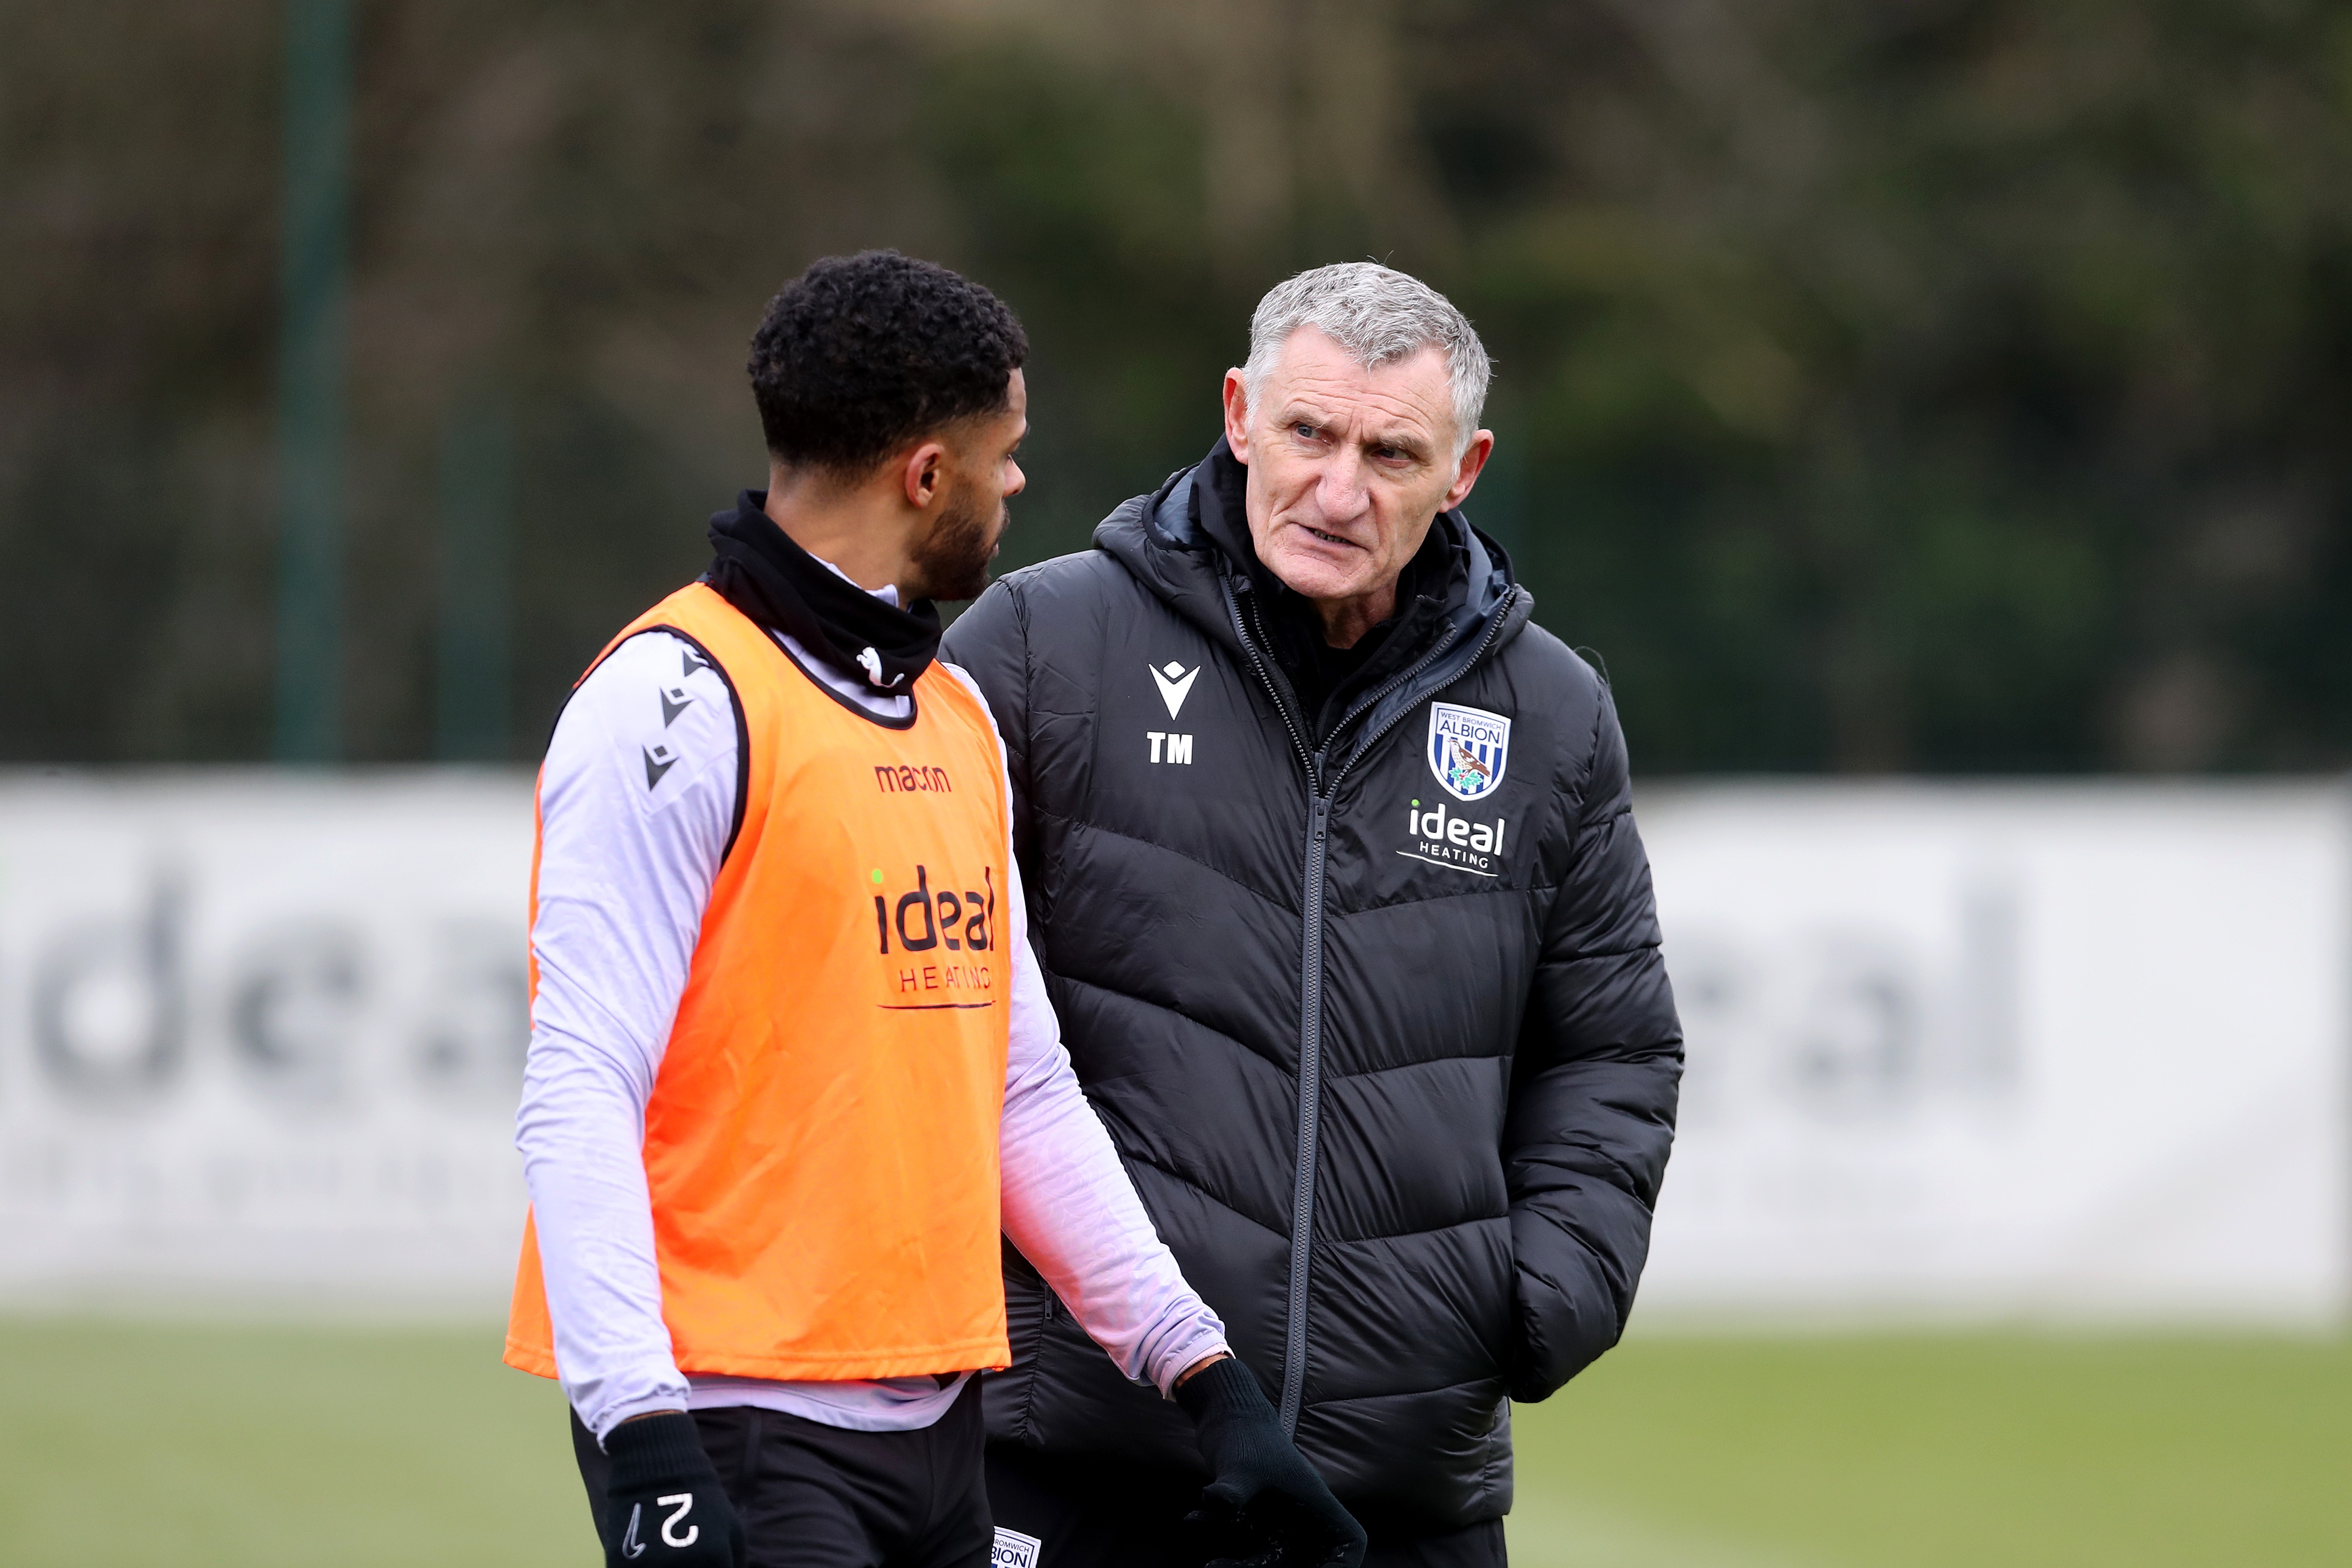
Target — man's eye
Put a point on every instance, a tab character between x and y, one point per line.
1304	432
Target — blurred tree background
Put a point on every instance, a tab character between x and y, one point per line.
1954	385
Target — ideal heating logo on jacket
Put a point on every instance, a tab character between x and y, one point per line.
932	934
1456	843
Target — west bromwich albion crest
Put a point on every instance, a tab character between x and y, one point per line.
1468	748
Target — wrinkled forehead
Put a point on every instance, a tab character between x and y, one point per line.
1413	392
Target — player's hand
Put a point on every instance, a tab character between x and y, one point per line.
1265	1507
664	1507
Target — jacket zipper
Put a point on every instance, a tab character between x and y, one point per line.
1310	1032
1310	999
1281	705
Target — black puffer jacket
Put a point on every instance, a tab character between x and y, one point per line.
1313	1000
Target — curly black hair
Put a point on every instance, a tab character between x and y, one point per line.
862	353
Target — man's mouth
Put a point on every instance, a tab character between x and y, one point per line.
1330	538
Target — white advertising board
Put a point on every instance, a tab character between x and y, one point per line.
260	1036
1985	1053
2026	1053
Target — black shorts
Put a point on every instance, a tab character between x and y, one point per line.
1098	1513
813	1496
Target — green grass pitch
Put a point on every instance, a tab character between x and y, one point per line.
126	1445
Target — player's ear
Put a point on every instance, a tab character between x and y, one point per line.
922	473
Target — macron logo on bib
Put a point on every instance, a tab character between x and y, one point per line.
1013	1550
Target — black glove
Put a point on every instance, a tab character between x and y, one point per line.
663	1505
1263	1503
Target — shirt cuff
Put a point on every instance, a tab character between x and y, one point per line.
661	1394
1197	1341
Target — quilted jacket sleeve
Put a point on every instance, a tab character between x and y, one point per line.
1593	1098
989	642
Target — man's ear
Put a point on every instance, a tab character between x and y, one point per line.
1466	473
1238	415
920	475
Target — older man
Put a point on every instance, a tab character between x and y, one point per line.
1334	876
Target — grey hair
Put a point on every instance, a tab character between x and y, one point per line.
1379	316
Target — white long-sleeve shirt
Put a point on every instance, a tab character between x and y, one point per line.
636	800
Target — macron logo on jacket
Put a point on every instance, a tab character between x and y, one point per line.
1175	683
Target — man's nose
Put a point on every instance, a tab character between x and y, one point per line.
1339	492
1015	480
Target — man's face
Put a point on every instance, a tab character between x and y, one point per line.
1348	466
978	476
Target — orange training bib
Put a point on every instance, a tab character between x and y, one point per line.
821	1141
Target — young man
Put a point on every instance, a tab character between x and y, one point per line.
791	1062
